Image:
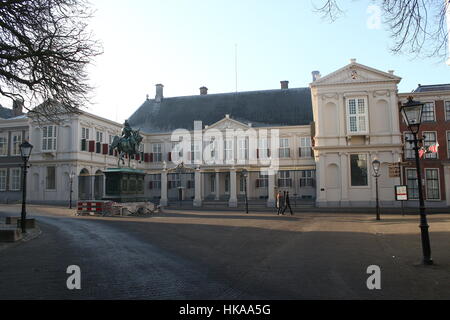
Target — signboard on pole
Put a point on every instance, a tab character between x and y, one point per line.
394	170
401	193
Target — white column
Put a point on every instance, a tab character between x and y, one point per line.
217	187
233	195
321	186
271	191
345	201
198	189
249	183
163	202
93	186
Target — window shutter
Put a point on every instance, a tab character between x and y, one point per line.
169	156
258	183
105	149
91	146
138	157
150	185
83	145
299	152
257	153
151	157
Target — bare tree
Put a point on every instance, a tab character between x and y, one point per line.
416	26
45	47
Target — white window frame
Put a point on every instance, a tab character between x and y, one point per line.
434	111
285	149
229	149
15	185
358	115
431	156
85	133
157	152
409	147
46	138
4	149
438	181
417	184
99	136
306	147
15	145
3	179
243	144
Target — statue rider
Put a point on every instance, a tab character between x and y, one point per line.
127	134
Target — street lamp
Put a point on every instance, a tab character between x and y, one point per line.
412	114
25	152
244	174
71	177
376	173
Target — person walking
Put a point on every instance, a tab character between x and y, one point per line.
279	202
287	203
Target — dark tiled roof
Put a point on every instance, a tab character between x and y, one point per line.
5	113
261	108
434	87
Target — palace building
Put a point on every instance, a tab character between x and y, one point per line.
316	142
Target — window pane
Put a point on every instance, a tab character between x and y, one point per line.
358	165
432	180
413	186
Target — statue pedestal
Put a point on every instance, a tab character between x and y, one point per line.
125	185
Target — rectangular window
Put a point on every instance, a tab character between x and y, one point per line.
15	180
358	169
212	182
284	179
3	145
174	180
155	181
413	185
307	178
85	133
357	115
243	149
16	142
51	178
49	138
432	184
428	113
447	110
448	144
196	151
285	151
305	147
99	136
409	146
157	152
2	179
430	140
229	150
263	180
263	148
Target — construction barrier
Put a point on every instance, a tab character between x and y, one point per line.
94	207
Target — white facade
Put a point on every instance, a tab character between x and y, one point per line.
357	121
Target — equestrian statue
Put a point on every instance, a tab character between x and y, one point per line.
127	144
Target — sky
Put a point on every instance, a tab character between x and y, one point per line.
188	44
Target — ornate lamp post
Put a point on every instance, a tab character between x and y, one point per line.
25	152
71	177
412	113
376	173
244	175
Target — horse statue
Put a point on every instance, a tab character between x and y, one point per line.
127	144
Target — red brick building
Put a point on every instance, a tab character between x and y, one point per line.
435	128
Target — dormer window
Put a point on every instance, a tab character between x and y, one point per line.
357	116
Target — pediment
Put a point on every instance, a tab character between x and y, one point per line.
228	123
356	73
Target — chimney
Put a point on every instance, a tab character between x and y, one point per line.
17	107
316	75
203	91
352	61
284	85
159	93
391	71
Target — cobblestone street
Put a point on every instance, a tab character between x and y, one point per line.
225	255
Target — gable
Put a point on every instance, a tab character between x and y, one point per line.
228	123
355	73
